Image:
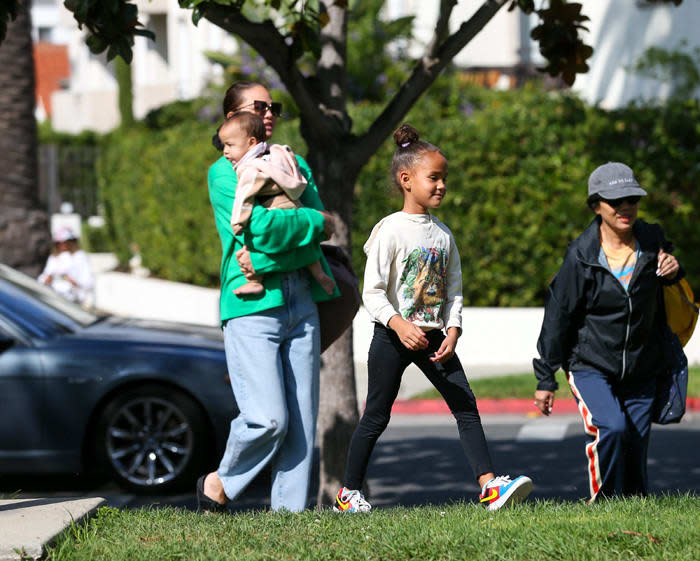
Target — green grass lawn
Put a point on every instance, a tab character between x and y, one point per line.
523	385
658	528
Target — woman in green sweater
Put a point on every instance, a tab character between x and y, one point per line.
272	340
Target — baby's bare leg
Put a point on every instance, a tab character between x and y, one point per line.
323	279
253	286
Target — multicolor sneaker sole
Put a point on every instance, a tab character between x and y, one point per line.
503	491
351	501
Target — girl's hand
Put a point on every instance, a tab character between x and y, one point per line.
244	262
447	348
412	336
544	401
667	265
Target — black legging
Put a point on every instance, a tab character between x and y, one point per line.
388	359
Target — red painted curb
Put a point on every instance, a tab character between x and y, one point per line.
498	406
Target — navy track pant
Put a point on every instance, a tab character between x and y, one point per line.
617	419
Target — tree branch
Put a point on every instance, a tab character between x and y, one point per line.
441	26
332	64
269	42
424	74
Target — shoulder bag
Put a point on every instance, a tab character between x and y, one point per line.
336	315
681	310
672	384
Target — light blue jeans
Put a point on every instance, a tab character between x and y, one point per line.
273	360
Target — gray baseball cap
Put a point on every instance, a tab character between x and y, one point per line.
614	180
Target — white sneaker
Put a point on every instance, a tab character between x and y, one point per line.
349	500
503	490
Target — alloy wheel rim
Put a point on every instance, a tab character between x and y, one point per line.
149	441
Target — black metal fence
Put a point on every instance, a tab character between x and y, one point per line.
68	174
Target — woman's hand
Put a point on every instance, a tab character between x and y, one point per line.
544	401
667	265
244	262
412	336
328	224
447	348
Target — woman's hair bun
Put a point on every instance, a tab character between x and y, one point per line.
405	135
216	141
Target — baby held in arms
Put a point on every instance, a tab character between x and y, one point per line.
268	173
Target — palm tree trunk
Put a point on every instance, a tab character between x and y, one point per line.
24	232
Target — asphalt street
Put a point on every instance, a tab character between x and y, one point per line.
419	460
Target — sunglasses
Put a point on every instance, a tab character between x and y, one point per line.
261	107
615	203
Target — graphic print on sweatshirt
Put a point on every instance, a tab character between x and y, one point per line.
422	284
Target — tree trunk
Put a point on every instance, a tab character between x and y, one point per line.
24	232
338	414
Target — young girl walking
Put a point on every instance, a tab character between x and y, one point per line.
413	291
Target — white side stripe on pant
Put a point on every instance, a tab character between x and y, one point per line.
594	477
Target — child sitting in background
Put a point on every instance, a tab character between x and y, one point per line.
67	269
267	172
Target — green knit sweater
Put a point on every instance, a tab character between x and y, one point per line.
279	241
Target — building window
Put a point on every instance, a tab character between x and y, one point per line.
45	34
158	23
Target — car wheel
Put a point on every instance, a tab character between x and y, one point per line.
152	439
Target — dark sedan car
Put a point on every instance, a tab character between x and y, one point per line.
150	403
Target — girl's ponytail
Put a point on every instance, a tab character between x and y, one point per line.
405	135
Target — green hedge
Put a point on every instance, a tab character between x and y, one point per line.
518	168
519	163
154	188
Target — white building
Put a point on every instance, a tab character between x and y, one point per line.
619	32
174	67
170	68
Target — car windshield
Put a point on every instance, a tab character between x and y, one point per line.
47	297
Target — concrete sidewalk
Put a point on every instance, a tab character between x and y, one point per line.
28	525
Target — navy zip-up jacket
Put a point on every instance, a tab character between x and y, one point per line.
592	323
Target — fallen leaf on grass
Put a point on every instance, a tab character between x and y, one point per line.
651	538
150	539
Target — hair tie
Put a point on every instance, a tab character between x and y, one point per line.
403	145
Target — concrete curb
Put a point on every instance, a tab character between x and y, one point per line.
28	525
563	406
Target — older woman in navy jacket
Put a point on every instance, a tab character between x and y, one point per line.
602	325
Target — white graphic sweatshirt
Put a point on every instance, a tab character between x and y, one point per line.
413	269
